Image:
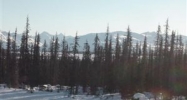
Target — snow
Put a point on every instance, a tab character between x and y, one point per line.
135	39
140	96
2	37
122	36
149	95
20	94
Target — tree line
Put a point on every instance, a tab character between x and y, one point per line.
124	68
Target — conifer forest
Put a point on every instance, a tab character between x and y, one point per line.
123	67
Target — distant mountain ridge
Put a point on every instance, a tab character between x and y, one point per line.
136	37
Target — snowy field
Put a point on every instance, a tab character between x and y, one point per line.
20	94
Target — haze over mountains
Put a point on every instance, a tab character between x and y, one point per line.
136	37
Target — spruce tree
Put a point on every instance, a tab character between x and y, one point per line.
96	69
86	70
1	61
56	65
166	55
35	69
144	65
74	68
117	48
161	63
51	61
44	64
14	62
24	62
8	68
64	63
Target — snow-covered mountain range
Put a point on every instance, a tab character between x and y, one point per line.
136	37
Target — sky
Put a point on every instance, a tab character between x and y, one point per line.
92	16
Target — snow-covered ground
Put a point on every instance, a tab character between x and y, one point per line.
20	94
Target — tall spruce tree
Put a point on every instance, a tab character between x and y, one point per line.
117	48
161	63
44	64
157	54
1	61
144	65
74	68
35	69
95	69
86	67
166	55
24	62
51	61
64	63
14	62
8	68
110	69
56	65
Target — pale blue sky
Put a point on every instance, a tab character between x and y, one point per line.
86	16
